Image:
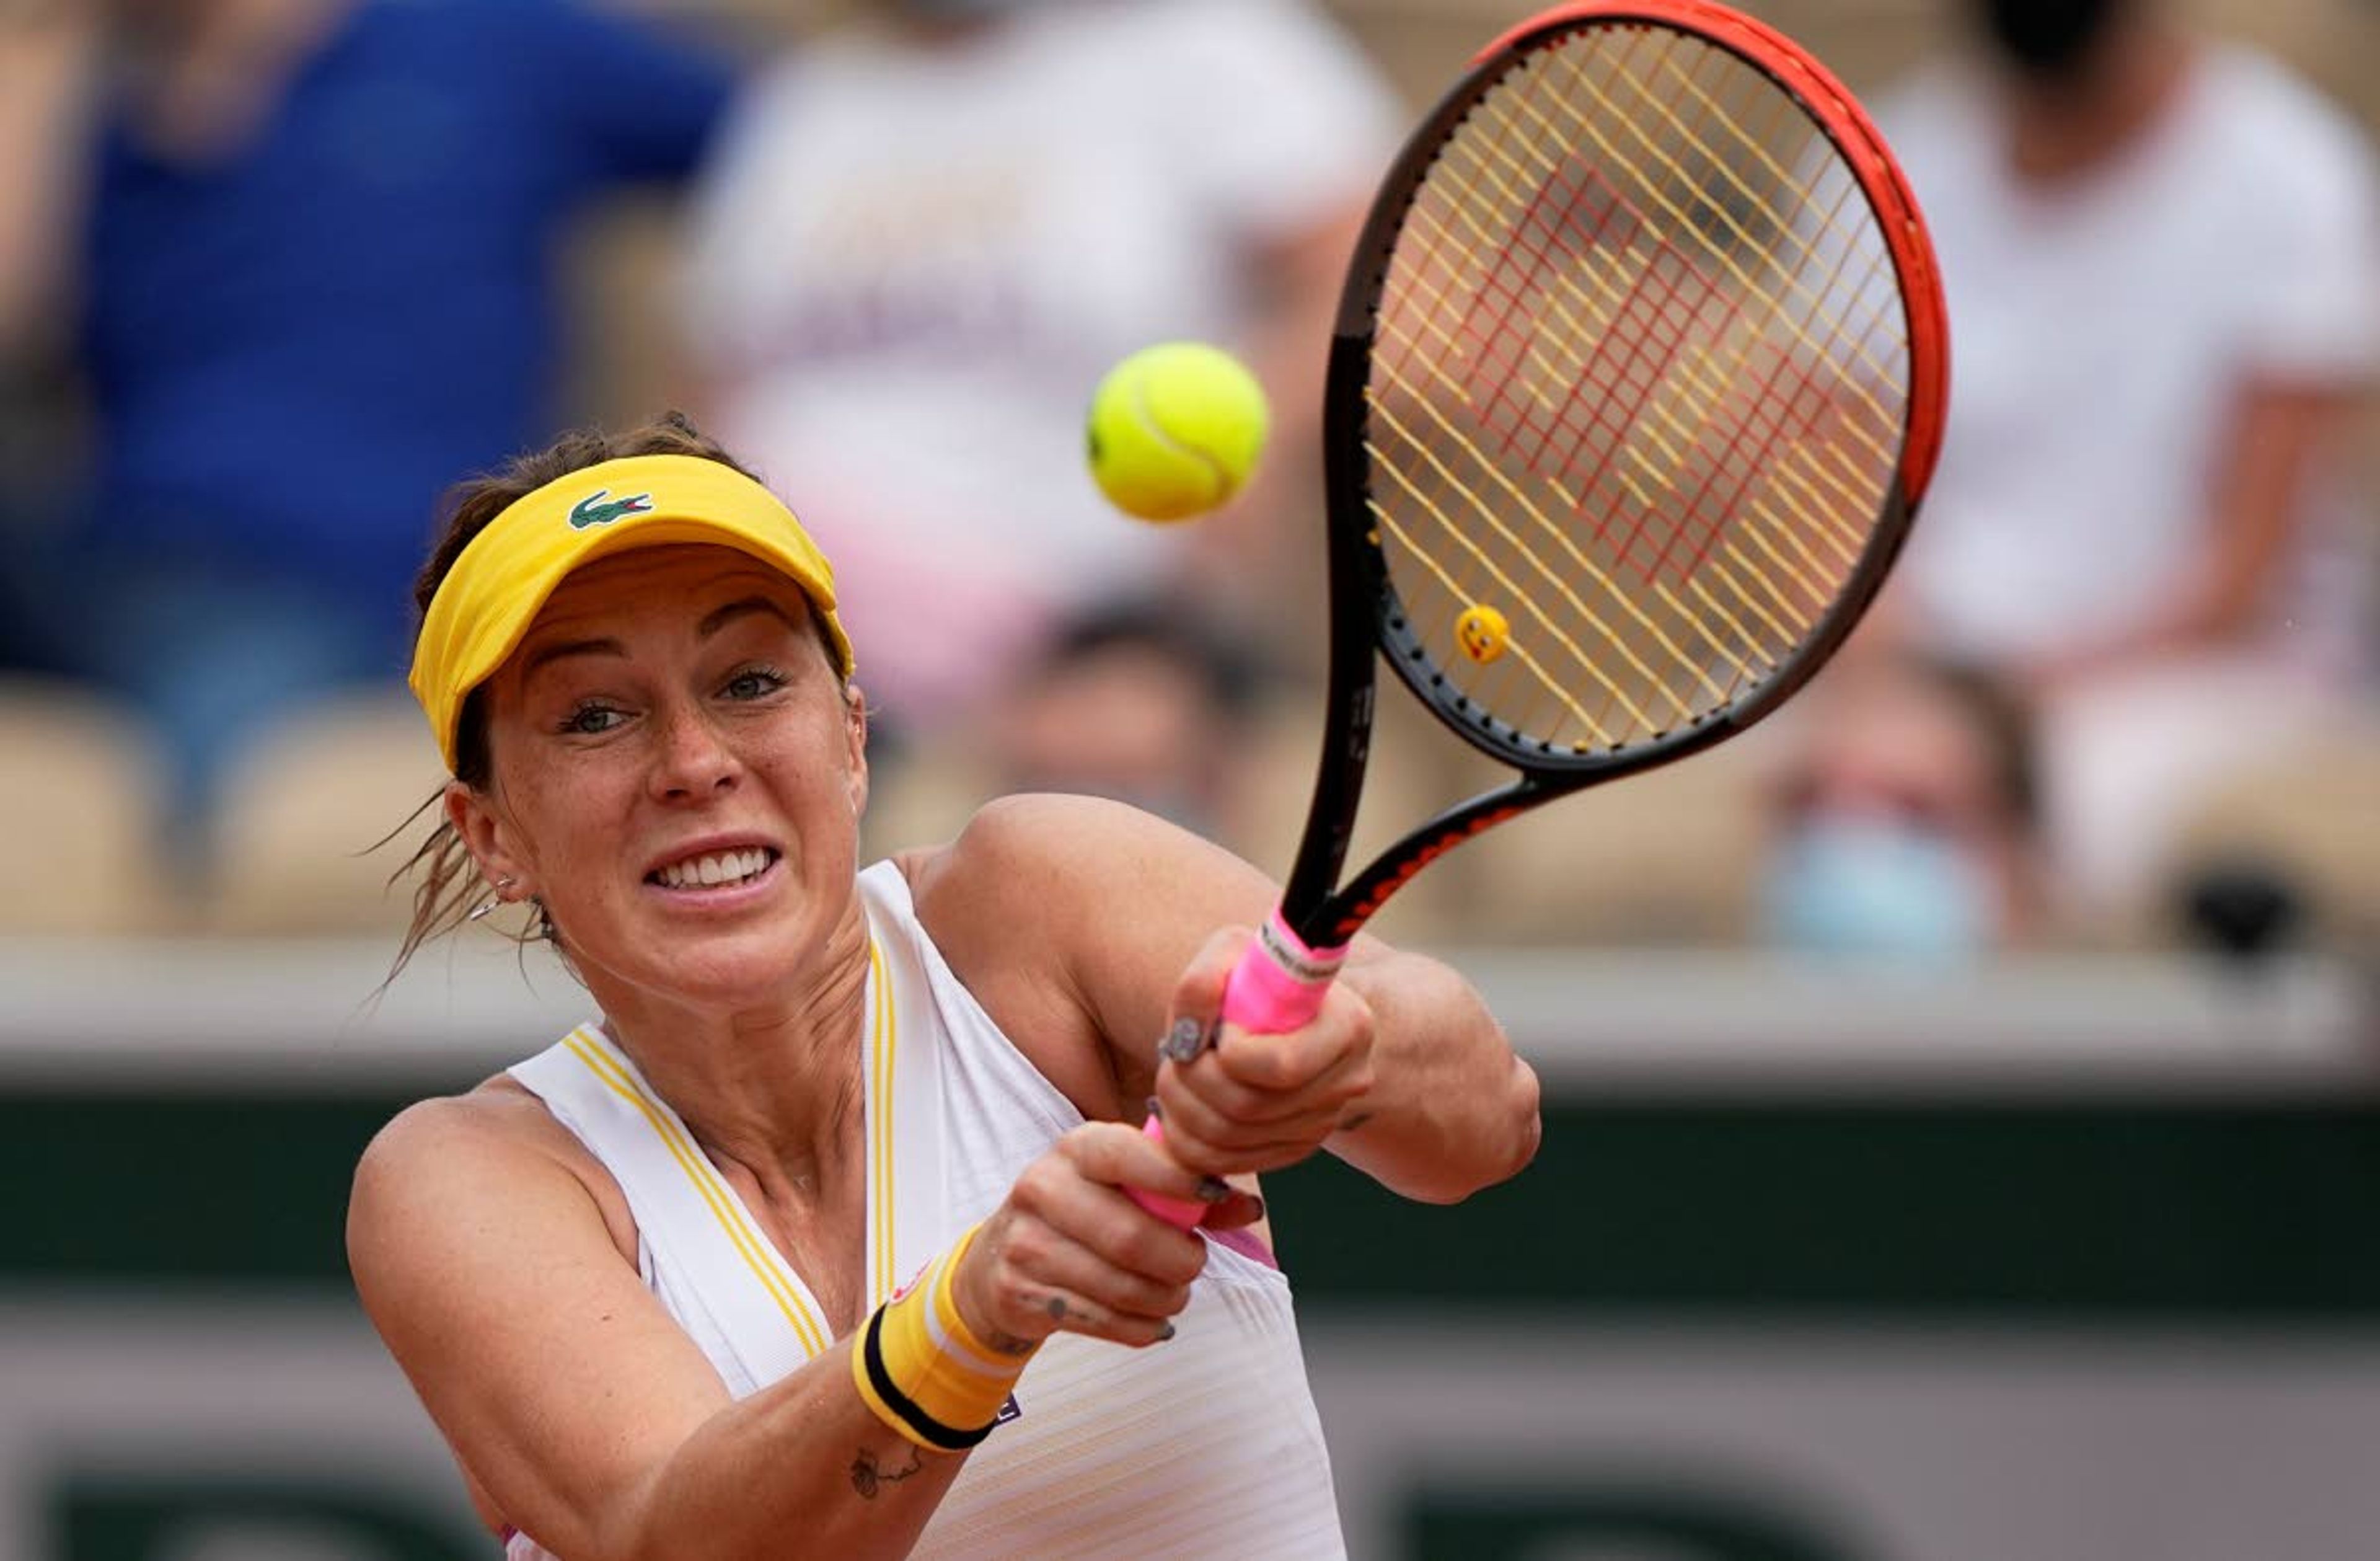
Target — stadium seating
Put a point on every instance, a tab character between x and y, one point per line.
302	811
2311	823
1663	859
78	788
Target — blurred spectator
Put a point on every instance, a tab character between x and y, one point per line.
2163	262
927	237
1139	701
1905	816
309	249
44	76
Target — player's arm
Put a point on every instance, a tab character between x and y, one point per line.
571	1398
1440	1108
594	1424
1404	1075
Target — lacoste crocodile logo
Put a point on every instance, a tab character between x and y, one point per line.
592	511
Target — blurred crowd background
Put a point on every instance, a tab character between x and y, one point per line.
275	273
2060	1250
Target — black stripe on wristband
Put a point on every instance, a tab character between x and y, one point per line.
948	1438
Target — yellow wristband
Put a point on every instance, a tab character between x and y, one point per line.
922	1371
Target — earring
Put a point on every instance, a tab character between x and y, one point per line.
487	907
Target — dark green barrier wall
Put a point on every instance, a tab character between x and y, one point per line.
2237	1212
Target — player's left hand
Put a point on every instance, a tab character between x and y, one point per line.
1233	1101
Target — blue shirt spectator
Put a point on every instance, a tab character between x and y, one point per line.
309	305
295	350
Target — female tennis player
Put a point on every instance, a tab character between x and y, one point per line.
816	1240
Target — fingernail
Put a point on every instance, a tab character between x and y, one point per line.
1183	1043
1213	1189
1155	1110
1164	1333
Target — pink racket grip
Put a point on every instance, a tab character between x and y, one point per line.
1279	985
1184	1212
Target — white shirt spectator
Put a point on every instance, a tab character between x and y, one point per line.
912	265
2101	329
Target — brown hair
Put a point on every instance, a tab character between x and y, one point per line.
443	895
2005	723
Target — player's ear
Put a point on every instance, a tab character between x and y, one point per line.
855	731
489	836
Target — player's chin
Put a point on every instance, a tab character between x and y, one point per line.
717	954
722	970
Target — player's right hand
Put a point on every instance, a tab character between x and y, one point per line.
1067	1252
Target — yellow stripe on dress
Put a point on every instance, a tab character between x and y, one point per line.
882	1036
713	1190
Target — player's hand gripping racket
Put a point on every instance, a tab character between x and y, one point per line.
1635	385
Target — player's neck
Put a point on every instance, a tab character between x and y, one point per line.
774	1089
2064	128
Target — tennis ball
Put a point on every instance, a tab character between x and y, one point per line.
1483	633
1175	429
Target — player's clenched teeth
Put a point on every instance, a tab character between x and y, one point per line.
717	868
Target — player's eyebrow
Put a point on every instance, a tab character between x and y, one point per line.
720	617
561	650
712	622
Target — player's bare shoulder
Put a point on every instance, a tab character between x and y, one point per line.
1010	862
495	1117
472	1152
1044	876
1044	855
1013	904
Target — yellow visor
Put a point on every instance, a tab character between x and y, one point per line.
493	594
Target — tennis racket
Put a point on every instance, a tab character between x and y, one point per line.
1635	385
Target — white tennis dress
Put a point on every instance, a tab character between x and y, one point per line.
1206	1445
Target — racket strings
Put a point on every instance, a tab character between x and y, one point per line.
1592	307
1797	256
1561	581
1638	383
1511	590
1830	227
1457	527
1775	313
1564	581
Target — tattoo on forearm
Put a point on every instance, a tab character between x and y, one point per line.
1058	1308
867	1476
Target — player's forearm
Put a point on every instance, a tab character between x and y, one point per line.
804	1467
1452	1109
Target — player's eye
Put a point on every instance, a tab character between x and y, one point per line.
753	683
590	718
